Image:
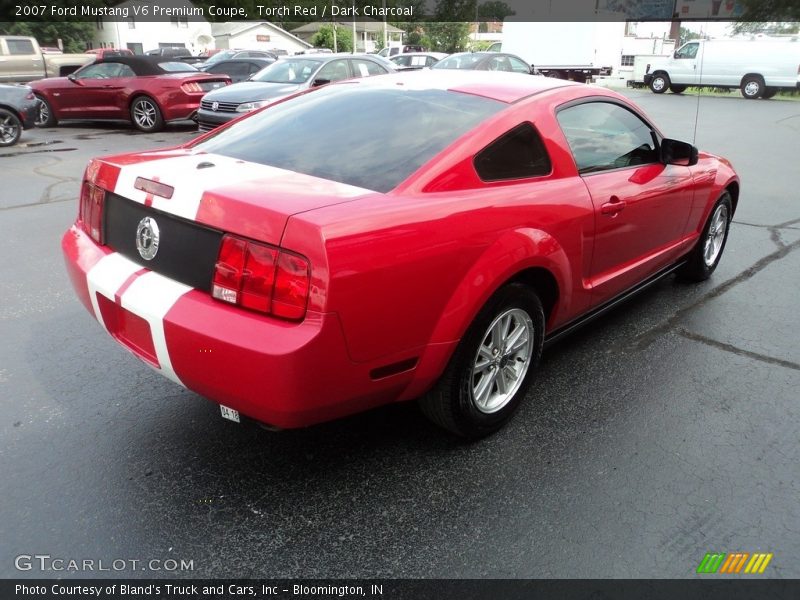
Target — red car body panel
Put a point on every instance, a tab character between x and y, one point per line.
396	278
111	98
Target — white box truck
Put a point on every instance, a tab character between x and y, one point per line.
577	51
758	67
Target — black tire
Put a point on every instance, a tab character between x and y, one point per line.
769	93
704	258
677	89
753	87
10	128
659	83
45	117
146	115
452	403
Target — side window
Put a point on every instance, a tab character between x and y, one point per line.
366	68
516	154
518	66
238	69
336	70
17	47
605	136
105	71
687	50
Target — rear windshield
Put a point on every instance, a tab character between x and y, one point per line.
372	138
176	67
288	71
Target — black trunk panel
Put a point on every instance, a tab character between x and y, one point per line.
187	252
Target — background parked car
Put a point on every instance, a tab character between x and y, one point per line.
416	60
393	50
101	53
234	53
238	69
29	62
282	78
18	110
146	91
484	61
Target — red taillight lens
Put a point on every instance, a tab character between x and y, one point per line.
192	87
291	287
261	277
90	211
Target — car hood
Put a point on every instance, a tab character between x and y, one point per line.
252	91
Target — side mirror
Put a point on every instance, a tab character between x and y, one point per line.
675	54
72	78
320	81
674	152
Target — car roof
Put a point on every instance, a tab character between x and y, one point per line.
141	65
496	85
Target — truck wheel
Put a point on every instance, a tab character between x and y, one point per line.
752	87
660	83
490	372
677	89
10	128
146	115
45	116
769	93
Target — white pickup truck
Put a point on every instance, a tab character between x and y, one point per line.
22	60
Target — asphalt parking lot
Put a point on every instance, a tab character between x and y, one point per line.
665	430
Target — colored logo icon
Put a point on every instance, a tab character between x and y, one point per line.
734	563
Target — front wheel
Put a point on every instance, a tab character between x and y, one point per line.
705	256
10	128
45	116
660	83
492	367
146	115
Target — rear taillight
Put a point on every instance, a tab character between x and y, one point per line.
262	278
90	210
192	87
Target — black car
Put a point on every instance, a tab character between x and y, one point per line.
282	78
238	69
18	111
484	61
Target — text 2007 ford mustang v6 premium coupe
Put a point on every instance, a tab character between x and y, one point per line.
418	235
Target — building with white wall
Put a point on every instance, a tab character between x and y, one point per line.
256	35
140	35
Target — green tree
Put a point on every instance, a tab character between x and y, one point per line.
324	38
770	11
494	10
446	36
74	35
686	35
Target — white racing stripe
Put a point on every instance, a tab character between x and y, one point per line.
106	277
150	297
189	182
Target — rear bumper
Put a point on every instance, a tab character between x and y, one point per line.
281	373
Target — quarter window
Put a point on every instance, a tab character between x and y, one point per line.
605	136
517	154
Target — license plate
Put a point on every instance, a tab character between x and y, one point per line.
229	413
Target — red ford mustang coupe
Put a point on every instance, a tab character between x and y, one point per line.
418	235
145	91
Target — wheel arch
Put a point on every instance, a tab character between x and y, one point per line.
12	110
733	189
526	255
754	75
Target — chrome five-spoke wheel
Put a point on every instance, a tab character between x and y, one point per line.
715	237
502	360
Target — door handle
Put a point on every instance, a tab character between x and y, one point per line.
612	207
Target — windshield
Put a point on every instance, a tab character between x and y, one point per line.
220	56
342	133
287	71
458	61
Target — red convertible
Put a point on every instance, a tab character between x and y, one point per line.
419	235
145	91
